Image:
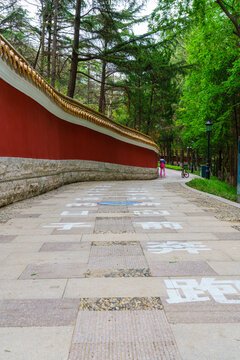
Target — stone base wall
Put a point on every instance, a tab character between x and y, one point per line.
22	178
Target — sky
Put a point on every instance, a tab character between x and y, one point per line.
138	29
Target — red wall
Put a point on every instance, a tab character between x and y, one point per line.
28	130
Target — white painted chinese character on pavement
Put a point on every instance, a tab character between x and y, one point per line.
160	225
81	204
87	198
147	204
169	246
151	212
190	290
69	213
141	198
67	226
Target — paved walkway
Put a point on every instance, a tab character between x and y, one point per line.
86	276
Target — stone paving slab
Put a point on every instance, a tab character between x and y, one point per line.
40	312
116	250
227	236
11	272
208	341
57	257
182	236
225	267
111	287
35	343
114	225
182	268
6	238
117	262
142	335
54	271
203	317
65	246
47	238
32	289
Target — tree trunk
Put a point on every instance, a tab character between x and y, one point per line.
74	58
49	29
54	42
102	102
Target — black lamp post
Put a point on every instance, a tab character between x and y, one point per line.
208	129
192	159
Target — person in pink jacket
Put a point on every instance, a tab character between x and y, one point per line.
162	166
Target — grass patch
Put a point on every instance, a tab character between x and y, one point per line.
215	187
173	167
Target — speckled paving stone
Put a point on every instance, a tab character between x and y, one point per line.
228	236
39	312
114	225
118	273
116	250
63	246
53	271
181	268
123	335
6	238
117	262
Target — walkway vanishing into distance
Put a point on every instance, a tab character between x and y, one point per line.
155	278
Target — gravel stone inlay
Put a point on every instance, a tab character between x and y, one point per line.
123	335
116	250
120	303
53	271
119	273
114	225
181	268
40	312
108	243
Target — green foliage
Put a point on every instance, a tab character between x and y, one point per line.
173	167
215	187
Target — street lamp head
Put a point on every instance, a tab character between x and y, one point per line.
208	126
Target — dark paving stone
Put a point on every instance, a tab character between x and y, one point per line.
123	335
6	238
112	209
39	312
208	306
114	225
27	215
63	246
53	271
117	262
203	317
148	218
181	268
116	250
228	236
